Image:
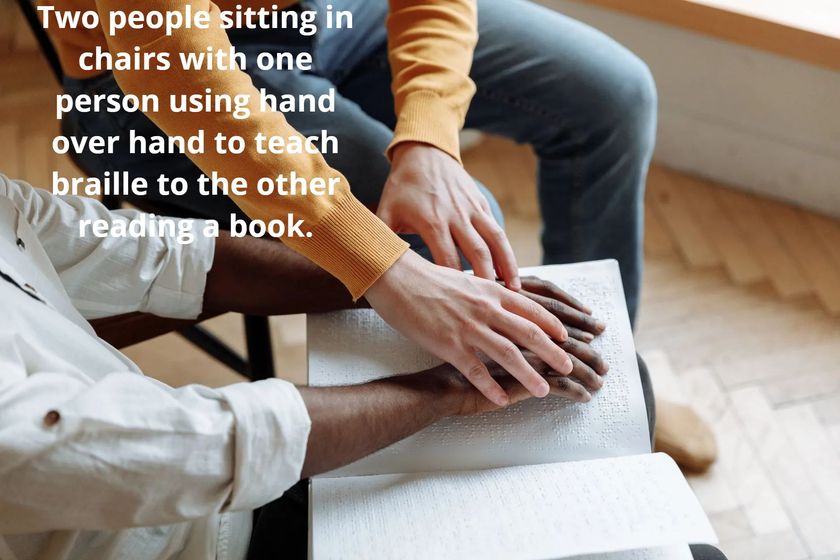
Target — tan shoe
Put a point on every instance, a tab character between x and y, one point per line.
683	435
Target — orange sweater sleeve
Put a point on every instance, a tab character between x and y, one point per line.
430	48
347	239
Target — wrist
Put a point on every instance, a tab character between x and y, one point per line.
395	278
440	391
415	148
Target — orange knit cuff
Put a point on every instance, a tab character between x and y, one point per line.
352	244
425	117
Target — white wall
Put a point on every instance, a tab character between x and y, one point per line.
744	117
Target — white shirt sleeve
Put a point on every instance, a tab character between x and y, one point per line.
129	451
115	275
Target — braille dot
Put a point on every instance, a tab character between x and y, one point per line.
52	418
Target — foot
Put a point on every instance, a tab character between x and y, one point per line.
683	435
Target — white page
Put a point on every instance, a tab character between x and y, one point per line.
537	511
355	346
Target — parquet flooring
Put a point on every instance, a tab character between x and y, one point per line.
739	318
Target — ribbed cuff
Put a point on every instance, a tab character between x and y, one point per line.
352	244
425	117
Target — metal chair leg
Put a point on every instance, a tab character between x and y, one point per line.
216	349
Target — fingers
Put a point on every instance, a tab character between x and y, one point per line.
474	370
549	289
578	334
508	356
564	387
569	389
530	336
586	354
585	375
528	309
500	249
567	314
475	250
442	247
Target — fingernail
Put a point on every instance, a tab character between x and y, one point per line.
567	366
588	337
587	397
543	390
501	399
516	284
601	326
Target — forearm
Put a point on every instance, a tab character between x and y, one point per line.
346	238
264	277
349	423
160	455
430	49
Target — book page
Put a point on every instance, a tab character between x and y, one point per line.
351	347
537	511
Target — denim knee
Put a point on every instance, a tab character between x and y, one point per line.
634	107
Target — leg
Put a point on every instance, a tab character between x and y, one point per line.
588	108
362	139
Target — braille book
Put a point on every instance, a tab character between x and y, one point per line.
546	478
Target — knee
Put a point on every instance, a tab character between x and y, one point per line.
635	106
614	110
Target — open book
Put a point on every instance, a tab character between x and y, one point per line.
546	478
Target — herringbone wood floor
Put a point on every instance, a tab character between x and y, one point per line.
738	317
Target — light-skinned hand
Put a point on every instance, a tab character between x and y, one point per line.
430	194
456	316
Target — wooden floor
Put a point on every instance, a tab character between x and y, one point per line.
739	317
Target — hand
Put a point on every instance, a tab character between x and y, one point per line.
456	315
430	194
576	316
464	400
588	364
589	367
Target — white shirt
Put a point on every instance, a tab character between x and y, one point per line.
132	468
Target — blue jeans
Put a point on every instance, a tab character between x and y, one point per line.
584	103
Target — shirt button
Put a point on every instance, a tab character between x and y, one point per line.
52	418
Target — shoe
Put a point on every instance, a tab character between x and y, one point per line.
683	435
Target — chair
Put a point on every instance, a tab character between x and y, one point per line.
136	327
